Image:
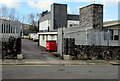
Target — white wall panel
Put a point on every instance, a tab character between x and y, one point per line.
73	22
44	25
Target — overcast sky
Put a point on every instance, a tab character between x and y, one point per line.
37	6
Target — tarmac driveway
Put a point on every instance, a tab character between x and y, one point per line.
31	50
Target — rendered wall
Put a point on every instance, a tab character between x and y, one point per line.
58	16
44	25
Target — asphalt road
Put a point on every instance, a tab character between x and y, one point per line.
31	50
59	72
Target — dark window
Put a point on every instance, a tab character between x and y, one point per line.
116	37
71	25
9	28
2	28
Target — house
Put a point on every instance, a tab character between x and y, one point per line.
51	21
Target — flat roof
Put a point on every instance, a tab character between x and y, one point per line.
91	5
47	33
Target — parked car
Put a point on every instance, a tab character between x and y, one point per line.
35	37
31	35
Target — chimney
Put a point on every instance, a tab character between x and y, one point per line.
92	16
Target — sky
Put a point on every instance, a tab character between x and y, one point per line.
24	7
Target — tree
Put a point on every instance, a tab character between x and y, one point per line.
33	20
10	14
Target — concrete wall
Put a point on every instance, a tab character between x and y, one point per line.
119	34
60	42
58	16
92	15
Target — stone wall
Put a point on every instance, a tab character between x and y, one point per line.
11	48
90	52
92	16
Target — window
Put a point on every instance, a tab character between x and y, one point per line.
2	28
71	25
116	37
9	28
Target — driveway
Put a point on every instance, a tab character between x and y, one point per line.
31	50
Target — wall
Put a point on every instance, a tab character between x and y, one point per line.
11	48
58	16
90	52
73	23
60	42
44	25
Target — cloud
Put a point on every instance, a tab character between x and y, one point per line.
108	20
10	3
44	5
69	10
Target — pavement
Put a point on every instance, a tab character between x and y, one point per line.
56	62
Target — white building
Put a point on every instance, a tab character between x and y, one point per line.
51	21
108	36
9	28
43	36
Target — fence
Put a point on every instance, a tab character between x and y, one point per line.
84	37
91	37
10	38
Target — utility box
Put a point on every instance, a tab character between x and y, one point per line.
51	45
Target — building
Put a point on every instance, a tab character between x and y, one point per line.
51	21
92	31
10	28
57	18
43	36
